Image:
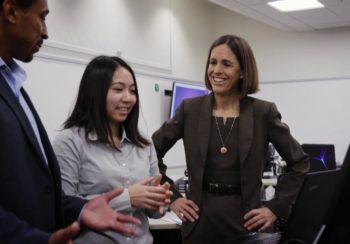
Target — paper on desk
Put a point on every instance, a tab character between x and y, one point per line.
172	218
269	193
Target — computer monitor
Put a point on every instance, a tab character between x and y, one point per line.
338	228
309	214
182	91
322	156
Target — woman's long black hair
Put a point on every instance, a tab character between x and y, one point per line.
90	110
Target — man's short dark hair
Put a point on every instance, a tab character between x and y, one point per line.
24	4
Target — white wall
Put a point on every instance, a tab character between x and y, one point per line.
316	111
163	36
53	86
139	30
166	40
191	37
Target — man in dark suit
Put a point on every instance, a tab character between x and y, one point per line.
32	205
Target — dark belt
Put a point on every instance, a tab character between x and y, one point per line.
221	188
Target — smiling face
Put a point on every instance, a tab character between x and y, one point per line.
223	71
121	96
29	30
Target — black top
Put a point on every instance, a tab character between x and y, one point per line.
221	216
223	168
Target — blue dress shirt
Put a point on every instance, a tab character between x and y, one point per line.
15	77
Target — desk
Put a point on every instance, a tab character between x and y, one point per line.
166	229
269	185
269	181
168	221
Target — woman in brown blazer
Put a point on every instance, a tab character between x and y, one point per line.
226	136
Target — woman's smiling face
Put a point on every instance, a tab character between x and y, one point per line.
223	70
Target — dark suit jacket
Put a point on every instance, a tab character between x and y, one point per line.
260	123
31	200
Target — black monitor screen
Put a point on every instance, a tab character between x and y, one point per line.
182	91
311	209
338	229
322	156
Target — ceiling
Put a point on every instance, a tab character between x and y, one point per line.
335	14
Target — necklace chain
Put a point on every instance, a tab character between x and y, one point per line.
223	149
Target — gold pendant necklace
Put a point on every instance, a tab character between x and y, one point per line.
223	149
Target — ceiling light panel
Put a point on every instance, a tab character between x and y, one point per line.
295	5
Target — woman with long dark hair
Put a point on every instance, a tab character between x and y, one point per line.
101	148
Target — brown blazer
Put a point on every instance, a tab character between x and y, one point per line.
260	123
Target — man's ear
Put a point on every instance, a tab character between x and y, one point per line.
10	11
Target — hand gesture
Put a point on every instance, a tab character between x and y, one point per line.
155	182
260	218
185	209
98	215
64	236
149	194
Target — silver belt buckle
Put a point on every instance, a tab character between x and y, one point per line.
213	186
